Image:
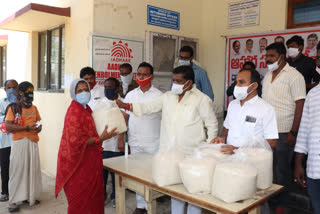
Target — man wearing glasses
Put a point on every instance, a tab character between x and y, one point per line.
201	78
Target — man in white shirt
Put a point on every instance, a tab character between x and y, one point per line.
248	115
127	82
96	90
110	146
308	143
188	119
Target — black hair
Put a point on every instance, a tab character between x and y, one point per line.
86	71
254	77
145	64
279	37
263	38
251	64
187	72
234	43
24	86
126	65
318	46
279	47
297	39
313	35
116	82
11	80
249	40
187	49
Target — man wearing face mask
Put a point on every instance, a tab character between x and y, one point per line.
248	115
127	83
11	89
284	88
304	64
187	119
200	75
96	90
144	131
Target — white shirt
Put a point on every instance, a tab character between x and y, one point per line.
308	140
112	143
5	138
255	118
96	92
144	131
184	124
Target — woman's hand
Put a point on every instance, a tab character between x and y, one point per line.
107	135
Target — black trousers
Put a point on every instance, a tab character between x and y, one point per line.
4	165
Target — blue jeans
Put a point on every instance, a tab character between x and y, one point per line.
313	186
105	155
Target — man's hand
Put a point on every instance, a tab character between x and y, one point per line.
299	175
228	149
217	140
121	104
121	143
107	135
291	140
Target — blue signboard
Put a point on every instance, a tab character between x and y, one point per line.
163	18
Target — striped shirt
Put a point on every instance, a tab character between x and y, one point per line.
5	139
202	81
288	87
308	140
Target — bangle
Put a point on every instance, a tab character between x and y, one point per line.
97	140
28	128
128	106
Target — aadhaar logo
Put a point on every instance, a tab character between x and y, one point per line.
121	52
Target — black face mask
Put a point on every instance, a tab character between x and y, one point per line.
28	97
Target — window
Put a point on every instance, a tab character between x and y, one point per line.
3	65
303	13
51	59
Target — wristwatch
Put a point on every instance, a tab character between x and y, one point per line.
28	128
294	133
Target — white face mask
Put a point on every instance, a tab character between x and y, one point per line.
184	62
126	80
274	66
241	93
293	52
177	89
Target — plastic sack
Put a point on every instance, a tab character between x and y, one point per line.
165	166
197	172
235	179
106	112
212	150
260	154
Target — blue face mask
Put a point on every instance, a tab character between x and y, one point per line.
12	95
83	98
110	93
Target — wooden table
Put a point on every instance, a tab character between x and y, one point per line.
134	173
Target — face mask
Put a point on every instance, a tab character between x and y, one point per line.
177	89
110	93
12	95
92	85
126	80
184	62
293	52
274	66
28	97
241	93
318	69
83	98
145	82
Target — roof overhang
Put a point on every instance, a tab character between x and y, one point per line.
36	17
3	40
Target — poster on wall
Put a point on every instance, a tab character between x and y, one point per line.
244	13
252	47
109	52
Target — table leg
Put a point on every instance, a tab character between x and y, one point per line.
152	204
255	210
120	195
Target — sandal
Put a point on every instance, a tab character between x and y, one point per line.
4	197
35	203
12	208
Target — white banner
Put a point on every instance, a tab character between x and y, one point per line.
109	52
252	48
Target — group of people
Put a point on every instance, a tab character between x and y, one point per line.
19	152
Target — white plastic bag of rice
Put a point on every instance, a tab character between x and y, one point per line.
212	150
165	167
106	112
234	179
197	172
260	154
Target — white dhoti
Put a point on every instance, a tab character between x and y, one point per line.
25	173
